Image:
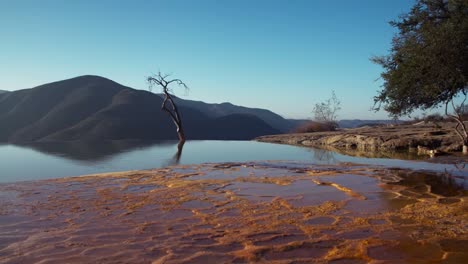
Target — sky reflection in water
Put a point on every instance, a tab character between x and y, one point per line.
54	160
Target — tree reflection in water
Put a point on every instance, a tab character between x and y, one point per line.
445	184
323	155
175	160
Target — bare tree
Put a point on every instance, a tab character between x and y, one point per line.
326	112
459	112
161	80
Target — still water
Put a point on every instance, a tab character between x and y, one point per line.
55	160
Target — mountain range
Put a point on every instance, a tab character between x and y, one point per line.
224	109
353	123
96	108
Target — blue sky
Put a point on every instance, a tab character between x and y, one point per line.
281	55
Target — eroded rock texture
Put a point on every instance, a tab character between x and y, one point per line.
237	213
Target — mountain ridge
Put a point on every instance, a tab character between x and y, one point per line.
95	108
226	108
92	107
354	123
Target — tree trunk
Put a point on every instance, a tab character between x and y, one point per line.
160	80
460	128
175	116
181	134
465	146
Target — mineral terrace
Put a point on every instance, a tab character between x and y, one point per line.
271	212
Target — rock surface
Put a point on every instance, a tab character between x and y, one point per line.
268	212
386	138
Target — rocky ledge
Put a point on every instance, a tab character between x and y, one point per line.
420	137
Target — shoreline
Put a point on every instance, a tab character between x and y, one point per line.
416	140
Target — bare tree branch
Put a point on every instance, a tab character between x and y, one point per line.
460	128
160	80
326	112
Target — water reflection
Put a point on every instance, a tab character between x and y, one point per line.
326	156
175	160
95	152
52	160
98	152
381	154
444	184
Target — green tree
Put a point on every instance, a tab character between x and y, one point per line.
428	63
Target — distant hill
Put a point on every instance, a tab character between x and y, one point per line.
353	123
224	109
295	123
96	108
345	123
3	91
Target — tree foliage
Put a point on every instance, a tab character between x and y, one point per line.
428	62
327	112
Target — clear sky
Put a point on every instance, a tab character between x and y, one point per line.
281	55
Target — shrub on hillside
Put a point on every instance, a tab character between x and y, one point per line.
311	126
434	118
371	125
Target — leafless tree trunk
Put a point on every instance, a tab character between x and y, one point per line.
460	128
161	81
